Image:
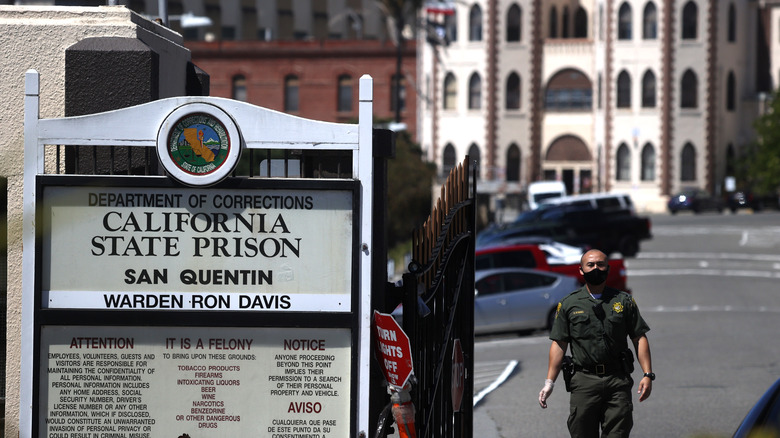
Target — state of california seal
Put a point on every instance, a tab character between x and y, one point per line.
198	144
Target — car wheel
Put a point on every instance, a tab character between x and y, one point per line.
629	246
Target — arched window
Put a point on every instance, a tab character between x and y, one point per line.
553	22
624	90
731	92
569	90
650	22
565	22
689	90
690	21
291	93
448	160
513	91
474	157
475	23
648	89
513	163
580	23
648	162
345	93
238	89
623	171
624	22
688	163
514	19
475	91
450	92
732	32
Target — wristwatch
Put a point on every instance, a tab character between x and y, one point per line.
650	375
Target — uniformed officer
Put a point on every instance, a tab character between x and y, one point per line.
596	322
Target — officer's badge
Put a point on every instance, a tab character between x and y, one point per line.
617	307
557	310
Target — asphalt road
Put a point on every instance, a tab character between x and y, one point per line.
708	287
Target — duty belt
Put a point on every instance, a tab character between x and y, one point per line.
600	369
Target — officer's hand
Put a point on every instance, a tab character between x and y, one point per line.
545	393
645	388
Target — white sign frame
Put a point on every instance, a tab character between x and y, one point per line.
139	126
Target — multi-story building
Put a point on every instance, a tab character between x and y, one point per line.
636	96
303	57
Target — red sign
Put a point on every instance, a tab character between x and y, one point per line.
395	352
458	375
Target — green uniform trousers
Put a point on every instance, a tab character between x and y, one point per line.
600	402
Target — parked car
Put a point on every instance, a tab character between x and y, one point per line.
763	419
577	224
746	199
609	202
695	200
545	255
518	299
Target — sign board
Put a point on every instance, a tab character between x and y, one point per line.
196	303
394	349
157	382
177	248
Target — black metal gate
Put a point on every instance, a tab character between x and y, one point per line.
439	310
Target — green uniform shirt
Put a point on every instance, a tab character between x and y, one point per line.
594	341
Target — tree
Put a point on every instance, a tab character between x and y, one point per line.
410	181
759	167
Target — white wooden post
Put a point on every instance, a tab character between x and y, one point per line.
366	175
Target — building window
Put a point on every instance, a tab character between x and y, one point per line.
513	163
448	160
553	22
648	90
689	90
475	92
624	90
580	23
291	93
400	96
474	158
624	22
565	22
238	88
451	24
475	23
285	20
623	171
731	92
513	91
650	22
732	23
569	90
450	91
688	164
648	162
514	19
345	93
690	19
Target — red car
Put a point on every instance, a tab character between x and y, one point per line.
546	256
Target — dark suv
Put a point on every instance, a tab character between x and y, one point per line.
576	224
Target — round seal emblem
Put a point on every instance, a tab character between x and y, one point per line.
198	144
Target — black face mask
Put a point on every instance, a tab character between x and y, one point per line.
596	276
